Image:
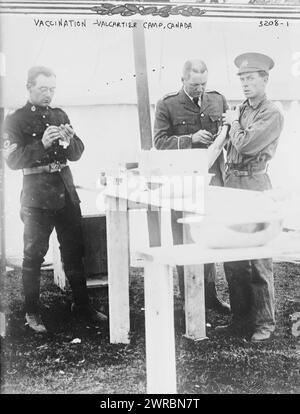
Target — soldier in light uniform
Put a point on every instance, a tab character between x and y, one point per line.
255	127
191	118
40	141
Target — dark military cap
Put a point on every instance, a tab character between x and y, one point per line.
253	62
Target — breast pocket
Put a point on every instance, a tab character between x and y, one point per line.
33	132
212	122
185	126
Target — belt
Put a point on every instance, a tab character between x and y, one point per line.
55	166
245	172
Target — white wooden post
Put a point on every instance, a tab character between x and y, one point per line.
194	302
160	336
194	297
2	201
117	228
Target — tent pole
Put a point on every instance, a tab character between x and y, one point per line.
2	201
143	101
139	47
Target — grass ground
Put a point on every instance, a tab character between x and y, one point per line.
52	364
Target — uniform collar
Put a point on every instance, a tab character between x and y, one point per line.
190	105
36	108
256	102
191	98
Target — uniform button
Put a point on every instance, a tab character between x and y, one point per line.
44	116
47	125
33	108
34	134
183	122
202	115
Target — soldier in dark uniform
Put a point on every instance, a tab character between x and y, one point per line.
255	129
191	118
40	141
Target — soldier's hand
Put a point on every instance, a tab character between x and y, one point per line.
66	133
231	115
51	134
202	136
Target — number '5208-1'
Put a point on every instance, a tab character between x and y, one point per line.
274	22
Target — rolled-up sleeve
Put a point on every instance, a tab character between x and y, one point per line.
163	137
265	129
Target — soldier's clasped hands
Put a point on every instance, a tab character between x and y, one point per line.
53	133
66	133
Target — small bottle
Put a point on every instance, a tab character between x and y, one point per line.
102	179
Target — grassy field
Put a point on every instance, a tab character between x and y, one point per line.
52	364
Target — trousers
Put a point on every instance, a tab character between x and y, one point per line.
38	226
250	282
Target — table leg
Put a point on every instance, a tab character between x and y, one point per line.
154	227
194	302
118	269
160	335
194	297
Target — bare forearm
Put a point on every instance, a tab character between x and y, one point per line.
216	147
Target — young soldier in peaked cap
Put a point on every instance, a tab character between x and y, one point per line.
255	127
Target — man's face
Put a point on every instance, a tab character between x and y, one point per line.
195	84
41	93
253	84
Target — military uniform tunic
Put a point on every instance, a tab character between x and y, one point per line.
177	117
253	141
26	127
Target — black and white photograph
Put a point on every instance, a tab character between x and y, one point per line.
150	200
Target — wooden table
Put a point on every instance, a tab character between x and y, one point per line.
158	262
118	204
